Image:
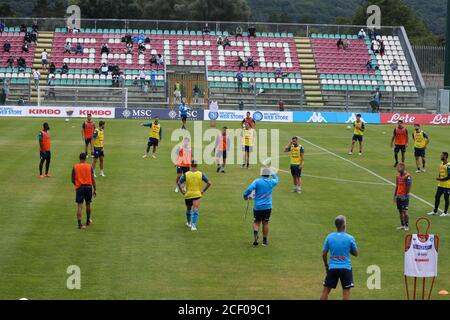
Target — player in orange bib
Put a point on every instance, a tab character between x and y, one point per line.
401	195
221	149
400	138
44	150
87	133
184	159
85	188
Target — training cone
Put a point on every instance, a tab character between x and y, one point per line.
443	292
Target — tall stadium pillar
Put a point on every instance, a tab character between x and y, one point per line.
447	50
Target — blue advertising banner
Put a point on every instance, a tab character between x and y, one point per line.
334	117
163	114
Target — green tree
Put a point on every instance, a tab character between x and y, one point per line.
6	11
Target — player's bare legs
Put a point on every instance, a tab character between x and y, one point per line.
256	225
80	215
88	214
325	293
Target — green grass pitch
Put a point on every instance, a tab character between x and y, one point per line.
139	248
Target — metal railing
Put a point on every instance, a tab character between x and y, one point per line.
431	59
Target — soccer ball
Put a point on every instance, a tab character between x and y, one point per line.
348	127
66	120
267	162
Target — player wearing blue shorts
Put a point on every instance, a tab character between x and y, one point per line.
340	245
183	109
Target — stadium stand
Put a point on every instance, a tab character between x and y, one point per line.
301	71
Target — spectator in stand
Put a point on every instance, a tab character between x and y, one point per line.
340	44
121	80
128	38
6	46
250	63
346	44
206	31
160	60
278	72
25	47
64	68
35	27
372	35
51	89
44	56
2	26
10	62
142	76
219	41
195	93
5	92
105	49
21	63
104	69
147	40
239	78
361	34
394	65
241	105
226	42
141	48
252	85
52	68
79	48
375	47
153	60
382	48
369	65
238	32
27	37
376	101
33	37
67	47
36	77
281	105
129	48
240	63
153	76
23	28
252	31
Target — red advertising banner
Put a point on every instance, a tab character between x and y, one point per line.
411	118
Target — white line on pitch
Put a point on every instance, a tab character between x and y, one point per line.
338	179
365	169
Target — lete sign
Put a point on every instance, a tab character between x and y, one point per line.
56	112
420	118
163	114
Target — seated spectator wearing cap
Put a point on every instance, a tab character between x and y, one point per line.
238	32
79	48
64	68
361	34
240	63
10	62
250	63
104	69
226	42
160	60
67	47
153	60
206	31
105	48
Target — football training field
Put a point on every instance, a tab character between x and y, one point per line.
139	247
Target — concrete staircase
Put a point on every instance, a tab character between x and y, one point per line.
310	78
44	41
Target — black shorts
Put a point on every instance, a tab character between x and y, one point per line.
262	215
183	117
419	152
181	169
190	202
247	148
399	147
45	155
152	142
83	193
87	141
334	275
440	191
98	152
296	170
357	137
402	203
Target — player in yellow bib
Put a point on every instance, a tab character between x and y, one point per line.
247	136
358	133
297	159
194	180
443	186
99	139
421	140
154	136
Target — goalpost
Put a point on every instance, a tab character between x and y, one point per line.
82	96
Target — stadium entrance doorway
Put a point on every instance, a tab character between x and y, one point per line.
191	87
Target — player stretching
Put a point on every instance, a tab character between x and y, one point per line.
221	148
184	158
183	109
358	133
400	137
87	133
421	141
297	155
44	150
194	180
262	210
247	135
154	137
248	119
99	138
443	186
401	195
84	181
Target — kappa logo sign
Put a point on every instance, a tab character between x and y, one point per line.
352	118
317	118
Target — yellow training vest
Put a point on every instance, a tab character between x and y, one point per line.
98	141
443	173
419	139
154	131
357	128
247	137
295	155
194	184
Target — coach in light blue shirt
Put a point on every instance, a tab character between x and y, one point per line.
340	245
